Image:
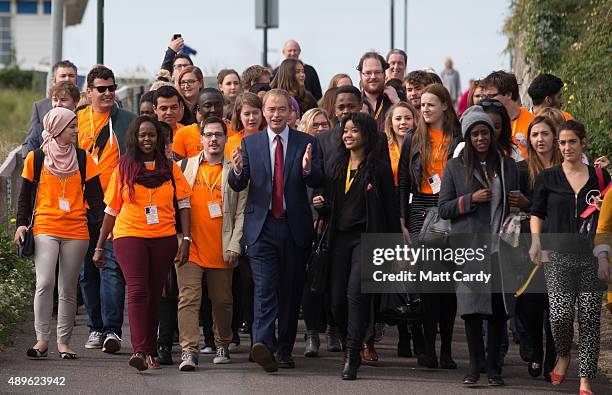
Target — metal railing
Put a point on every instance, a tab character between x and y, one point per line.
10	170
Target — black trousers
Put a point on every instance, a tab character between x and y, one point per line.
246	291
495	329
440	311
168	318
350	308
533	311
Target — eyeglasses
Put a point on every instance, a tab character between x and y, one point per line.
375	73
324	125
102	89
181	65
188	82
209	135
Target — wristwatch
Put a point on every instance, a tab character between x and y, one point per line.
187	238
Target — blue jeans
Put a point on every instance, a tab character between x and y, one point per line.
103	291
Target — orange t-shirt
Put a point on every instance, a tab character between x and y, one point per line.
207	247
90	124
131	218
49	218
567	115
394	154
519	130
233	142
188	141
439	154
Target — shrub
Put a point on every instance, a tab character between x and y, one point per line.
13	77
17	280
571	39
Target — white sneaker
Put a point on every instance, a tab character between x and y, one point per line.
207	350
94	340
112	343
189	362
222	356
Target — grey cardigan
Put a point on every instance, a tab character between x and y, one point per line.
471	224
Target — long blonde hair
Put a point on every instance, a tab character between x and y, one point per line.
389	120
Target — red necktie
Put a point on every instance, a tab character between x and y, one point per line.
278	180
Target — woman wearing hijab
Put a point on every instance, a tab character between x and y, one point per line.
60	224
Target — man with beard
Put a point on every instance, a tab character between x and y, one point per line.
372	68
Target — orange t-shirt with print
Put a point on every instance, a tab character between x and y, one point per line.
394	154
439	155
131	217
207	247
49	217
519	130
90	124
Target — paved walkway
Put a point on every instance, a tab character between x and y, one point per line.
99	373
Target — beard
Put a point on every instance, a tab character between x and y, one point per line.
373	88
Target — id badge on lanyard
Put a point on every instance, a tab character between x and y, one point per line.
435	182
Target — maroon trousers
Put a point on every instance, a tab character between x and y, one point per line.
145	264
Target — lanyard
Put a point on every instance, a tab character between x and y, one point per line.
93	132
439	149
379	110
206	178
349	180
63	182
151	193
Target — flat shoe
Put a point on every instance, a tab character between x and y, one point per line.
138	361
470	380
68	355
35	353
534	369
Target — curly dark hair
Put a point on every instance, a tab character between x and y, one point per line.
369	132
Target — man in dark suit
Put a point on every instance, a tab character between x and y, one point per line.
63	70
347	99
292	49
276	165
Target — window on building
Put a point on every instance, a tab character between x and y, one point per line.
27	7
5	6
47	7
5	40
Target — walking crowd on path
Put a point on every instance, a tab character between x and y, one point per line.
207	204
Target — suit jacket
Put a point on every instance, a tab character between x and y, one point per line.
35	128
257	176
232	202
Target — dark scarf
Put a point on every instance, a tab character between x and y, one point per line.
156	177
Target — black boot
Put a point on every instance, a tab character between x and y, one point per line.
403	345
312	344
333	340
351	364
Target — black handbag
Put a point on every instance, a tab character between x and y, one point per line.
26	248
435	230
401	305
317	266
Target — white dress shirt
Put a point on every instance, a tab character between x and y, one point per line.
284	136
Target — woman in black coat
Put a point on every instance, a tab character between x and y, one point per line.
359	197
474	196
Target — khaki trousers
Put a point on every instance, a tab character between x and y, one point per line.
219	283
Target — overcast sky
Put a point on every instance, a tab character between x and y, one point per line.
333	34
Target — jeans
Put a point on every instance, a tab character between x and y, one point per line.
103	291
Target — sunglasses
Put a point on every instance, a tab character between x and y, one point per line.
102	89
489	102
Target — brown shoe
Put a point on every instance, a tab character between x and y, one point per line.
369	354
152	362
138	361
264	357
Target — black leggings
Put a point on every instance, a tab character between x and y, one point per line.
350	308
532	309
440	310
495	330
